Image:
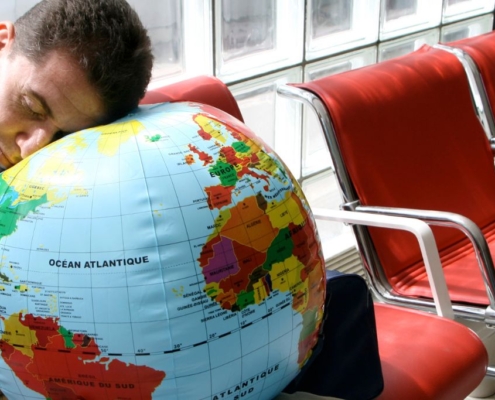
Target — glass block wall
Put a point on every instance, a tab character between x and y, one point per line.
255	45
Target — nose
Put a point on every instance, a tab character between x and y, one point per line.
34	137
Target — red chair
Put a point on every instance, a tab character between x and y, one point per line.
423	356
201	89
405	140
425	371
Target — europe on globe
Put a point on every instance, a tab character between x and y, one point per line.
168	255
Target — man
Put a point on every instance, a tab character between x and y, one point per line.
66	65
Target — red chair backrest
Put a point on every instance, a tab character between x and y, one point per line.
202	89
410	138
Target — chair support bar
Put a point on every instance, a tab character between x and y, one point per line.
478	91
448	219
319	108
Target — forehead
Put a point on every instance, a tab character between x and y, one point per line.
62	85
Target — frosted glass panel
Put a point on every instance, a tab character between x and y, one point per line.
330	16
247	27
322	191
257	36
336	64
400	47
454	10
400	8
274	119
315	152
338	25
180	33
402	17
164	21
257	104
465	29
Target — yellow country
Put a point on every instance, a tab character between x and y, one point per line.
210	126
23	338
114	135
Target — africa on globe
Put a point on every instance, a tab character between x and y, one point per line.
168	255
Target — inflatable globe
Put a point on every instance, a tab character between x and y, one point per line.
169	255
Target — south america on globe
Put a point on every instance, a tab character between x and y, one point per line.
168	255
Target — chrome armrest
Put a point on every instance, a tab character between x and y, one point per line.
426	241
453	220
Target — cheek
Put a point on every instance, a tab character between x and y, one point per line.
8	96
7	113
11	118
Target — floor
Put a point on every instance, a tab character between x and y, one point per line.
477	398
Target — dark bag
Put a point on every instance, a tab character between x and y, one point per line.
345	362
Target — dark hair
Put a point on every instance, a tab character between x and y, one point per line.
104	37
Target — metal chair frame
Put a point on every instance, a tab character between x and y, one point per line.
378	282
478	90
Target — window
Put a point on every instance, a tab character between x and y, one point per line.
257	36
401	17
336	26
165	22
181	35
455	10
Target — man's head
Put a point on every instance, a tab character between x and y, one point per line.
67	65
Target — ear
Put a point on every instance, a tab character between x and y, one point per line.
7	34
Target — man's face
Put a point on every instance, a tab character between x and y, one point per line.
38	101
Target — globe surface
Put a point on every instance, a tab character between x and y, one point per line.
167	255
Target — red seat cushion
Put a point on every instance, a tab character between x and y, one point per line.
410	138
202	89
427	357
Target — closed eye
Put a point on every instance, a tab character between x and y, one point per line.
32	108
